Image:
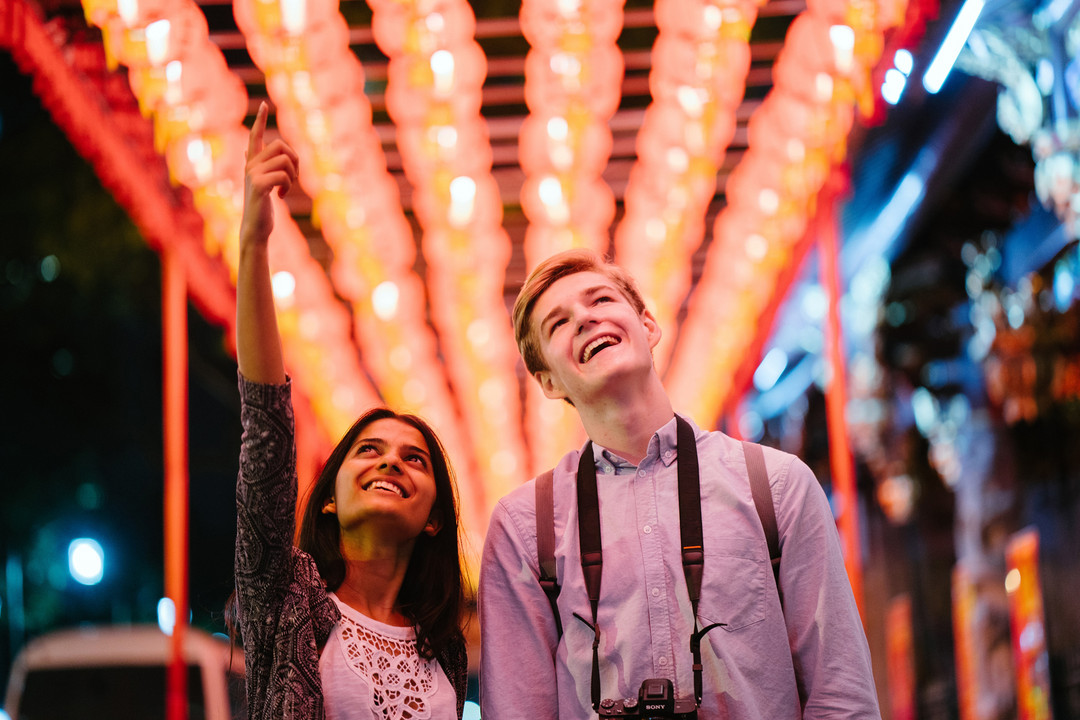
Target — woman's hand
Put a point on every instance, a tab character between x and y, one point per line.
258	345
275	166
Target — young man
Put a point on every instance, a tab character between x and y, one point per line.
799	652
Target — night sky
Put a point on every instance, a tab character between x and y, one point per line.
81	425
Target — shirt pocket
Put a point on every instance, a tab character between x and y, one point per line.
734	583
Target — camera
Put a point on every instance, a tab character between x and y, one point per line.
656	699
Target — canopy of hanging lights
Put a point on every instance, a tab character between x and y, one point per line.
364	326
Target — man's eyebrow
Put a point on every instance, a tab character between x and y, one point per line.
551	314
587	292
595	289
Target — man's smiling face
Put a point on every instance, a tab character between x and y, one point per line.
590	335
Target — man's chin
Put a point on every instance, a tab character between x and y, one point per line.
612	382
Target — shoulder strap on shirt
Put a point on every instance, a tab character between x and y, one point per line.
759	488
545	542
545	523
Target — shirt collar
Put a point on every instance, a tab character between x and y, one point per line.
663	444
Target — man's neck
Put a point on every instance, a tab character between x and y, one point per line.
624	423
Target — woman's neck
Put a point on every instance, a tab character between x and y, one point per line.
373	578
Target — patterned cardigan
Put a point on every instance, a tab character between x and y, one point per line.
286	613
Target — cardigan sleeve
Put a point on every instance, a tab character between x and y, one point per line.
265	524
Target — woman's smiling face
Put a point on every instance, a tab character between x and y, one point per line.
387	478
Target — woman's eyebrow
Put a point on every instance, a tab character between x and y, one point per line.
380	441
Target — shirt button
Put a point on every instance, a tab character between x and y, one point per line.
656	592
641	473
647	529
663	661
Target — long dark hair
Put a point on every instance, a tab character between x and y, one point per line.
432	595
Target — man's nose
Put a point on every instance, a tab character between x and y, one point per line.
583	318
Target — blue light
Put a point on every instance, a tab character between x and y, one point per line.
893	86
771	368
166	615
49	268
952	45
904	61
471	712
1015	315
86	561
925	409
1064	285
898	209
1044	75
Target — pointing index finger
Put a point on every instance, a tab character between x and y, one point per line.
255	138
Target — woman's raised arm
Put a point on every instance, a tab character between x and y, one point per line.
258	344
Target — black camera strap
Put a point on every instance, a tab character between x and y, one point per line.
592	555
693	554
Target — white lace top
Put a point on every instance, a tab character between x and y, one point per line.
371	671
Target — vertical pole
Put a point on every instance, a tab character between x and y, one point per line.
840	458
175	393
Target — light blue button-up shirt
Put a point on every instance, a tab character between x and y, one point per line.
808	659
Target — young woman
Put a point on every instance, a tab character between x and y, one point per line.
362	620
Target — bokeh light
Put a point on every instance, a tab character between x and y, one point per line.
86	561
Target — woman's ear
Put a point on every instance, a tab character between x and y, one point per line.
330	508
433	526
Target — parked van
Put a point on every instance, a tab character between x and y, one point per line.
120	672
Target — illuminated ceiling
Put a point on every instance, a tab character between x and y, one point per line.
443	155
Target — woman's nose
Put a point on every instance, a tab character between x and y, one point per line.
390	461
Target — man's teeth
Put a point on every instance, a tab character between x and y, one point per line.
596	344
384	485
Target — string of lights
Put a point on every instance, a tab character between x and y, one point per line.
197	107
436	74
700	63
797	136
573	75
317	85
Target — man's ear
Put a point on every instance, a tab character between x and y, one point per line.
652	328
551	389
